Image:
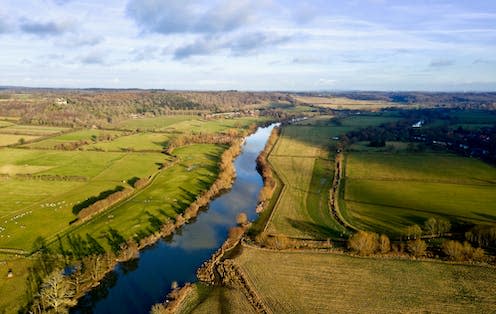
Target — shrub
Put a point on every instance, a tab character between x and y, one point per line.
242	219
417	247
454	250
364	242
384	244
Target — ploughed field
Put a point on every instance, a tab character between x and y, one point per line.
311	282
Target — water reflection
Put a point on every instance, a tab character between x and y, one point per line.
136	285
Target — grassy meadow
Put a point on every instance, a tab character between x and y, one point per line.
171	191
386	192
307	282
303	158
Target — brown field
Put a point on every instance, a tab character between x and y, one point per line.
223	300
311	282
345	103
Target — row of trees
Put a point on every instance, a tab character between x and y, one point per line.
264	168
432	227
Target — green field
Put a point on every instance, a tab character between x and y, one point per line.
171	192
28	206
306	282
182	124
153	123
386	192
34	130
136	142
9	139
81	135
303	158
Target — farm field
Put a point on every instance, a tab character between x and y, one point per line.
219	300
186	124
172	190
80	135
387	192
29	204
34	130
308	282
345	103
12	288
303	158
136	142
10	139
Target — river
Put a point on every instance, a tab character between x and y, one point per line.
133	287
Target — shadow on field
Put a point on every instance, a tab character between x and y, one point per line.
315	230
487	216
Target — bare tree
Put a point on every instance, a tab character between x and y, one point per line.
57	293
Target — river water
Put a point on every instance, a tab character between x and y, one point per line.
133	287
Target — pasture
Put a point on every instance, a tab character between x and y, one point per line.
11	139
134	142
76	136
33	130
171	191
28	205
186	124
386	192
303	158
311	282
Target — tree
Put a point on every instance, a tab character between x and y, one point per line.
430	226
413	231
384	244
57	293
363	242
443	226
242	219
417	247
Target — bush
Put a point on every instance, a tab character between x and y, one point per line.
364	243
384	244
454	250
242	219
417	247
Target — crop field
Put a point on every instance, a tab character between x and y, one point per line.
307	282
219	300
28	205
136	142
386	192
345	103
169	194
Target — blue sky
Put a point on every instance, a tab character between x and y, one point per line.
250	45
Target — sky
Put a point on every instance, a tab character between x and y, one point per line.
292	45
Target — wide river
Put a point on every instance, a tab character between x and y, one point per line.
133	287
